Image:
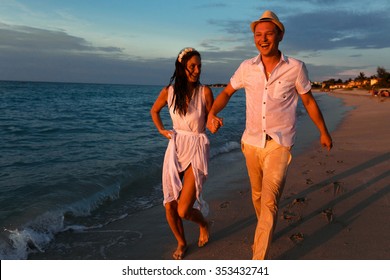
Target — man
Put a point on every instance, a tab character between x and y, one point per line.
272	83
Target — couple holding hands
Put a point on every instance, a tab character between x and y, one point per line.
273	82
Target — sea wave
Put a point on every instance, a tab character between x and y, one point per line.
36	234
225	148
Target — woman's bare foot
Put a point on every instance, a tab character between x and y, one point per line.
180	252
203	235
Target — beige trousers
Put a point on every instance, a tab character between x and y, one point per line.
267	168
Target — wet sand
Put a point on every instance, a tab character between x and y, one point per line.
335	204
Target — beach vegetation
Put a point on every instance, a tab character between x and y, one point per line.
383	77
380	80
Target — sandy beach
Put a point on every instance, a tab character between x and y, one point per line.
335	204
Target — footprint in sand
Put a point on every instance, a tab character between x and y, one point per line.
299	200
337	188
224	204
328	213
290	216
297	237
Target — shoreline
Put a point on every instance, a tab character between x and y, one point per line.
334	206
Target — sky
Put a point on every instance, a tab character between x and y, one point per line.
137	41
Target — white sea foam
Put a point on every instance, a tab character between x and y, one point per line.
225	148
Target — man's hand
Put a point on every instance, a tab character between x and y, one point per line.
214	123
326	141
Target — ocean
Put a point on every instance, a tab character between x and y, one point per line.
80	156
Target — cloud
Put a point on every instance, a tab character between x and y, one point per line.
320	29
327	72
212	5
24	38
44	55
314	28
317	30
313	34
233	27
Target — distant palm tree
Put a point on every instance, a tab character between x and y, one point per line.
361	77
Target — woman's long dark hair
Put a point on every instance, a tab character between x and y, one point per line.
181	87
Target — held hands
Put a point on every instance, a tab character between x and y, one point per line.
214	123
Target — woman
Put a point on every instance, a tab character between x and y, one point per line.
186	158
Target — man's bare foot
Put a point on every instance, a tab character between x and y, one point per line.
180	252
203	235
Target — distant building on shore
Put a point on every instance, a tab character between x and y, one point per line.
350	84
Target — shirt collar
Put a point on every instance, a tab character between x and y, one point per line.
257	59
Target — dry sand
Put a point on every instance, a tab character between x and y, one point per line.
335	205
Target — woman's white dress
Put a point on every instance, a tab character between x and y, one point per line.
188	145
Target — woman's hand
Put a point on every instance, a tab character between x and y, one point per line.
214	123
166	133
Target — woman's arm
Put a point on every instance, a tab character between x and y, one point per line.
214	122
160	103
209	99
